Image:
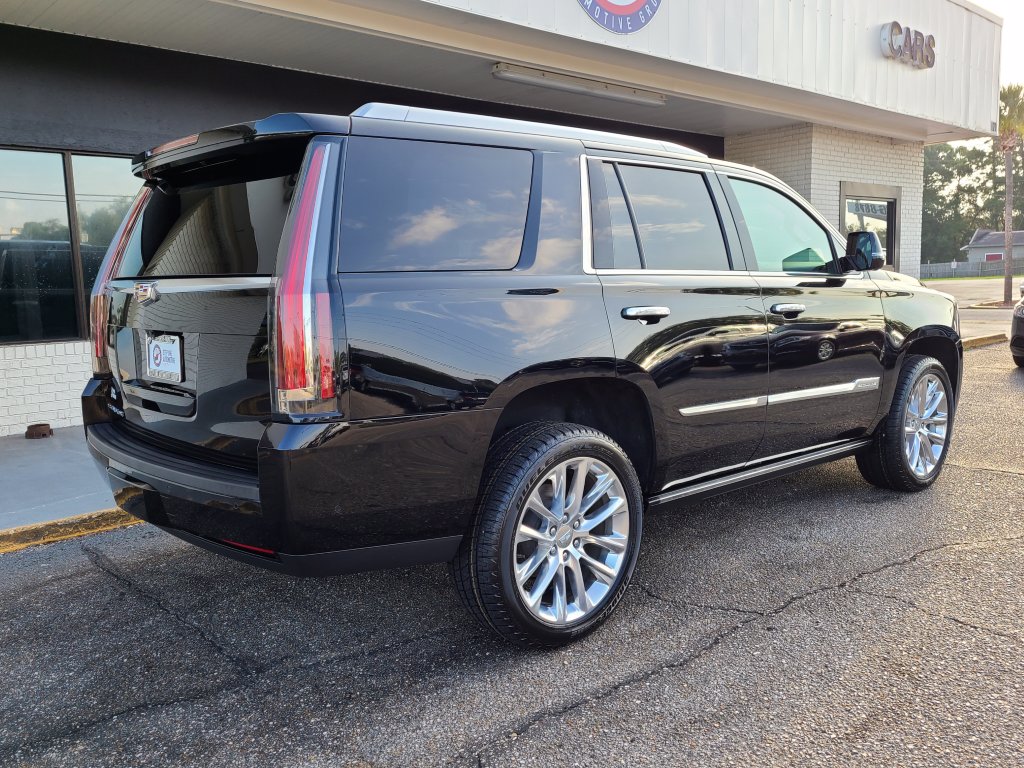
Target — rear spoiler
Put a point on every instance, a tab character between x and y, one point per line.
163	160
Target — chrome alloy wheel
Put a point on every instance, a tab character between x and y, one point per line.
925	425
571	540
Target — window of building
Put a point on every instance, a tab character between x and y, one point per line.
675	217
784	236
420	206
104	189
873	208
48	257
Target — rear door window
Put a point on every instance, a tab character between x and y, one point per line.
229	229
676	219
427	206
614	238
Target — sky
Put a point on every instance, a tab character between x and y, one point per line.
1012	54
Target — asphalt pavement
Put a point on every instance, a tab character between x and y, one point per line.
814	620
972	291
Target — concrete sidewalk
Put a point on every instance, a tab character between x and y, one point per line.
49	479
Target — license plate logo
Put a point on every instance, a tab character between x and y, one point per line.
163	358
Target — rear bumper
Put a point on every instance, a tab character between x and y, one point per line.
209	506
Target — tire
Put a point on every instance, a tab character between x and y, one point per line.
826	350
518	493
1019	360
886	462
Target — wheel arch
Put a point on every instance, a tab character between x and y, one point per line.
941	343
612	405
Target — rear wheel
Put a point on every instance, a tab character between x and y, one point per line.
1019	360
910	446
556	535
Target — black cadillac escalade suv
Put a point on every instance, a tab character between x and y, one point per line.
326	344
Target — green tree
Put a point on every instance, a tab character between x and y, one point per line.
51	229
963	191
1011	126
100	225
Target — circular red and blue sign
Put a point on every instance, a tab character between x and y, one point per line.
621	16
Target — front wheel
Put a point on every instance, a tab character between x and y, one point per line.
556	535
1019	360
910	446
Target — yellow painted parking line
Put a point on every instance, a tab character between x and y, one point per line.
14	539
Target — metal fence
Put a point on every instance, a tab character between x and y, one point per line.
970	269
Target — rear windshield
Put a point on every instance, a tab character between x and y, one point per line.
228	229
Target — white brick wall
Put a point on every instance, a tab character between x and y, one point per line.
42	382
783	152
814	159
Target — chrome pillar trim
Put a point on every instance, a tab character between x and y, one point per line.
725	405
587	232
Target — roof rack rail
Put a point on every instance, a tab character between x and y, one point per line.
380	111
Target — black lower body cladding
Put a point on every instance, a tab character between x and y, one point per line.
326	498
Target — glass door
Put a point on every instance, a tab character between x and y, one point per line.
873	208
879	216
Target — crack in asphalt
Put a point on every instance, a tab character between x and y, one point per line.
689	604
53	735
253	673
683	660
918	607
994	470
251	678
241	664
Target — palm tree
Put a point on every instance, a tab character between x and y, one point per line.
1011	128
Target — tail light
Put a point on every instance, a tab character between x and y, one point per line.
99	304
303	329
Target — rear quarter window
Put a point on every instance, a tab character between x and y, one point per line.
425	206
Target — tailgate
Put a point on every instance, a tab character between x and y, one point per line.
189	308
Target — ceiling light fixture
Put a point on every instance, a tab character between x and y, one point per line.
514	73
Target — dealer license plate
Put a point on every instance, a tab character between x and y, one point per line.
163	357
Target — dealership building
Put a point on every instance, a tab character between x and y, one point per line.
837	98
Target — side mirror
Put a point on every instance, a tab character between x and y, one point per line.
864	251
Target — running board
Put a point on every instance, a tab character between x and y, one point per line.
753	475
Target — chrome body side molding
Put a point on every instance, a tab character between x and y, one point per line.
857	385
725	405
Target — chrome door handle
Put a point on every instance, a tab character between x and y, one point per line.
788	309
646	315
